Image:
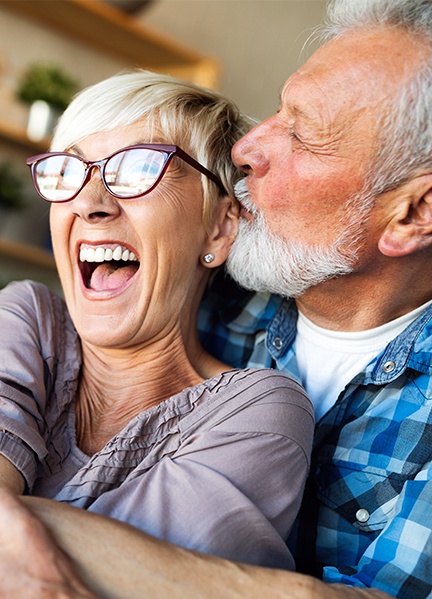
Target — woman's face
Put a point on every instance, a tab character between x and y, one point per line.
129	302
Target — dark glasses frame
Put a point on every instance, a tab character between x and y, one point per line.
169	150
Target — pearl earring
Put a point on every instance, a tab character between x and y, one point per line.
207	258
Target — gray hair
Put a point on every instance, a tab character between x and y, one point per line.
404	140
201	121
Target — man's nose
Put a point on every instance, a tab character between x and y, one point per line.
249	153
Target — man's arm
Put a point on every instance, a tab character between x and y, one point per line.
117	561
31	565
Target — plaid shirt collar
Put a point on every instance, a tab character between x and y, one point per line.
248	313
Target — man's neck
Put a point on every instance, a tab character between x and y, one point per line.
347	304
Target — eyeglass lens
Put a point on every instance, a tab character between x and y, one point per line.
127	174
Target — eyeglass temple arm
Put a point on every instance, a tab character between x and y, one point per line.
202	169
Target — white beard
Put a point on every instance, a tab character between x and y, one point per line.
262	261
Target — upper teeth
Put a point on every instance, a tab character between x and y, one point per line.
100	254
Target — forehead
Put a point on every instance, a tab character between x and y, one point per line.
351	76
103	143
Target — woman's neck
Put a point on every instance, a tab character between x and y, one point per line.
117	386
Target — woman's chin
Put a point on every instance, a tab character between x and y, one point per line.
103	315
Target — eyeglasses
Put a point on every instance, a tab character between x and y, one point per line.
128	173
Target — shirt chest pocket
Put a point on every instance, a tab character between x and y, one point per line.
365	497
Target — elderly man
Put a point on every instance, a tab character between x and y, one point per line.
337	213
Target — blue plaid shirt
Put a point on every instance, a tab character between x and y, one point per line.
366	519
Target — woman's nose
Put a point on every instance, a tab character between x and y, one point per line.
94	203
249	153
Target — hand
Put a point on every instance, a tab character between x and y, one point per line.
31	564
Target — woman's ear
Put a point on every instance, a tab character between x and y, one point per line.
222	233
410	228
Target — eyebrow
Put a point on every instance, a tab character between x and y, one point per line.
296	111
295	108
302	113
75	149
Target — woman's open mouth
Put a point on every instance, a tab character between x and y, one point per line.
106	266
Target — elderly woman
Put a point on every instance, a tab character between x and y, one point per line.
108	402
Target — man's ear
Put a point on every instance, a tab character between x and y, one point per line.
222	233
410	228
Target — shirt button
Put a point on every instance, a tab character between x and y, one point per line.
277	343
389	366
362	515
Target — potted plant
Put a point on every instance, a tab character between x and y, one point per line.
48	82
48	89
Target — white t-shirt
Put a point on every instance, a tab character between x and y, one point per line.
328	360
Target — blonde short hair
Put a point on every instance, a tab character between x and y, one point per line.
199	120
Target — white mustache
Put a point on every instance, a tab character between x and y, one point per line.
242	194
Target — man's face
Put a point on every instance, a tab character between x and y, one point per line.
306	163
263	261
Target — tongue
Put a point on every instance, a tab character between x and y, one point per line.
109	276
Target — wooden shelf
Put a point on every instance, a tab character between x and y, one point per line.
27	253
20	261
11	132
111	31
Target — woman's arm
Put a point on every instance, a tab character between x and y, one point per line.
34	330
10	477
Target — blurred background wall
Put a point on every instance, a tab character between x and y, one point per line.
258	42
